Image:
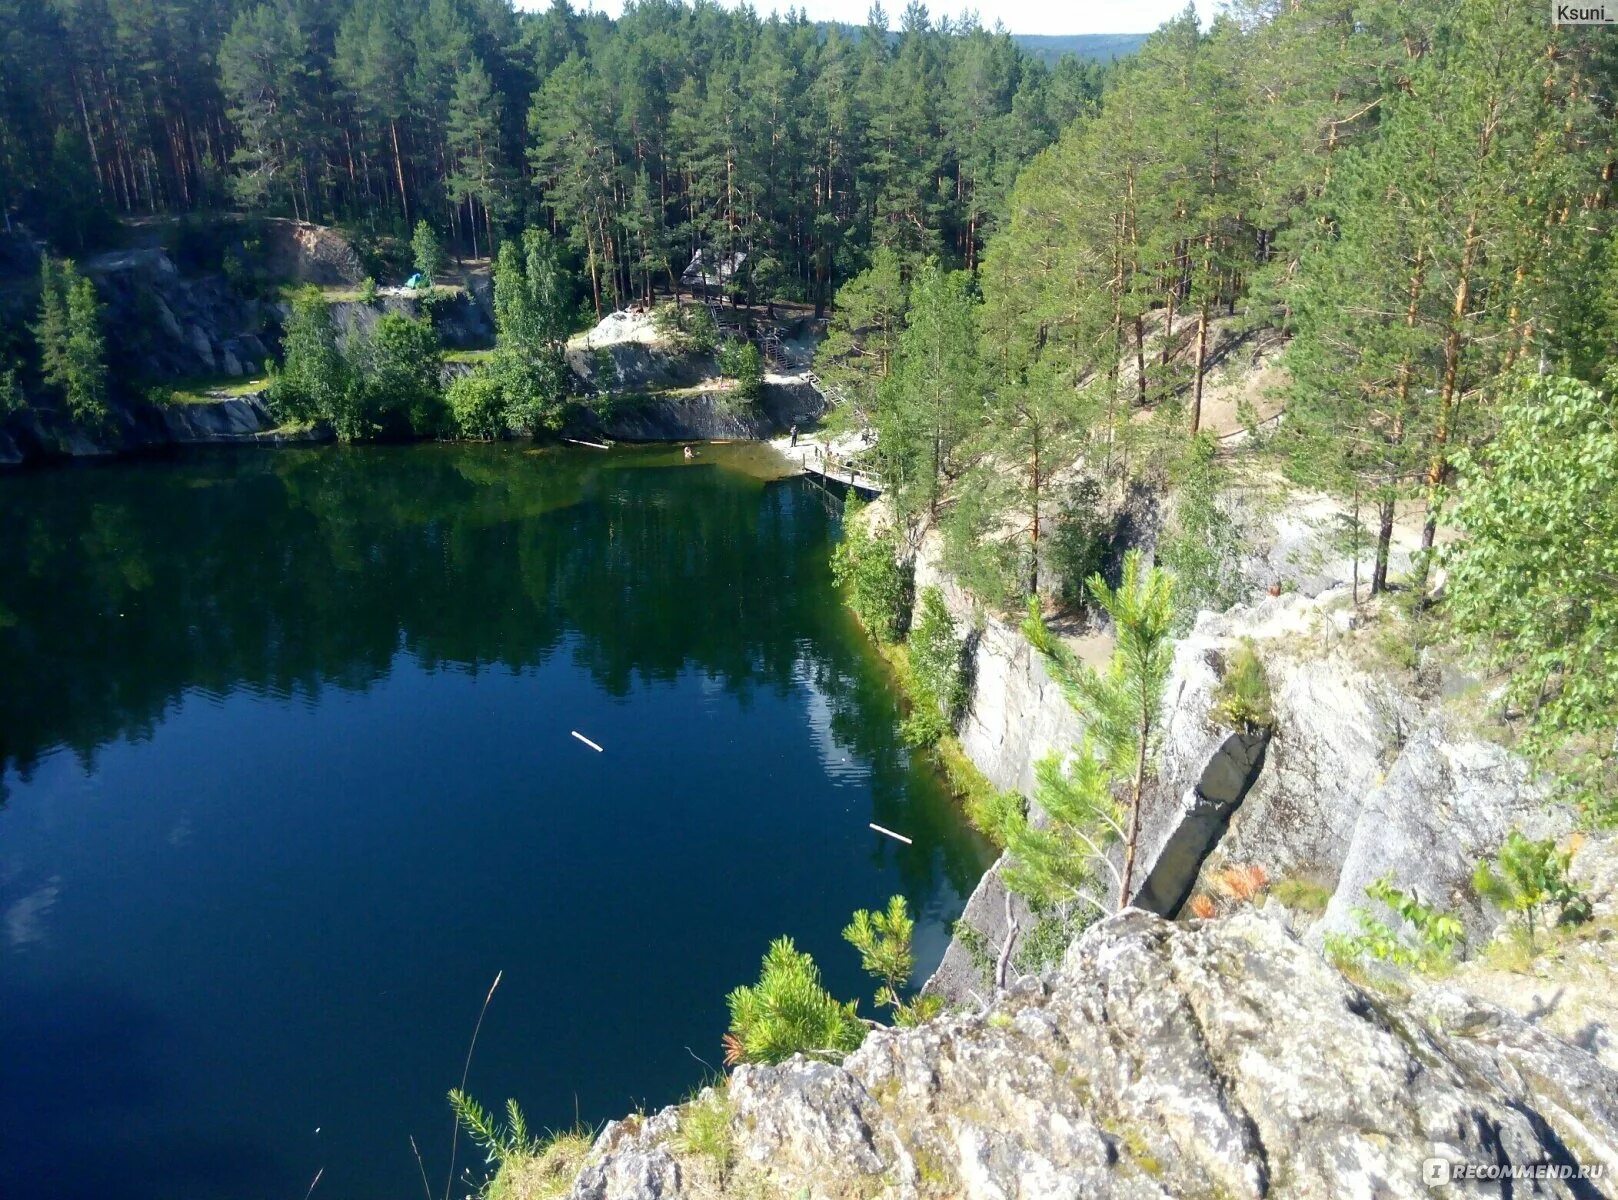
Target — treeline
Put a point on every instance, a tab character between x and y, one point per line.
637	141
1419	194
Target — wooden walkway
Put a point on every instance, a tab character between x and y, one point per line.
828	468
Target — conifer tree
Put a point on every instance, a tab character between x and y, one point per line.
72	348
1058	863
925	406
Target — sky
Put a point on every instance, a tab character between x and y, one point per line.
1019	16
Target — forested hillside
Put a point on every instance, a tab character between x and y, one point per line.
1418	195
640	141
1399	218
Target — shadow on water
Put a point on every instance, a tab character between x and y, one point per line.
286	741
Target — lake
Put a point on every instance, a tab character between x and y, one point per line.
287	776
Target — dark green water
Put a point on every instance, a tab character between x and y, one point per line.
288	777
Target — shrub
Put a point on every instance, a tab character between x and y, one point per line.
368	291
1242	700
687	328
1242	884
11	397
314	376
476	406
741	361
1051	933
399	369
925	724
1434	939
866	568
935	653
788	1012
1529	877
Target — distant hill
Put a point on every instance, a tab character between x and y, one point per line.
1100	46
1049	48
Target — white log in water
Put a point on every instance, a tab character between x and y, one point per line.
585	740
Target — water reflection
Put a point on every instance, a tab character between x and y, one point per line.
287	740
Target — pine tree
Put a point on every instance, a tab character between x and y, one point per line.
1120	708
72	349
480	177
925	406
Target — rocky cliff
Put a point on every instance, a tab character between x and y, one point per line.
1372	768
1219	1059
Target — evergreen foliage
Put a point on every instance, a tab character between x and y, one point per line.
788	1012
72	349
925	405
687	328
1056	865
884	940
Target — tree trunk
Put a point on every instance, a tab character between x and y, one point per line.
398	168
1384	540
1136	787
1438	466
1033	540
1202	357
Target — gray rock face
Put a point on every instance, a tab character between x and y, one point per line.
1218	1059
237	419
1362	777
965	975
698	416
1018	713
1448	802
1338	729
